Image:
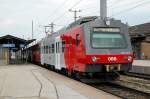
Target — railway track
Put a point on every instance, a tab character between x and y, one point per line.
142	76
121	91
135	83
128	87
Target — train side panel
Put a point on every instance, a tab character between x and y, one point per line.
75	49
52	52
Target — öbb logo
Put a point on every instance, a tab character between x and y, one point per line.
112	59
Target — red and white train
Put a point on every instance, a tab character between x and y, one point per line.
88	46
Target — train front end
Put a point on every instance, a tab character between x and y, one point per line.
107	47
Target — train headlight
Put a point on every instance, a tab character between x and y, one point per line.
94	59
129	58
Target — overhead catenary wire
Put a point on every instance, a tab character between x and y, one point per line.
126	5
119	4
56	10
77	3
63	14
115	3
131	8
59	17
108	1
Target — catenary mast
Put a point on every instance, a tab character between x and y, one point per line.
103	9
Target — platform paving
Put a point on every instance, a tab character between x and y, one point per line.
2	62
33	82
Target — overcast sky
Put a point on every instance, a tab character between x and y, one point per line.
16	15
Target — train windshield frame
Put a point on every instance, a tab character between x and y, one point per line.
107	39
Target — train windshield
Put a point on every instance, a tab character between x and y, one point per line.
108	40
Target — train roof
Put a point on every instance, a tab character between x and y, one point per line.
74	24
81	21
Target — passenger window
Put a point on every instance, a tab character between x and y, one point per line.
78	39
53	49
58	48
43	49
63	46
49	49
46	49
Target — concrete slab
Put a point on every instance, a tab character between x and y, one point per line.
34	82
71	89
141	66
47	88
145	63
2	62
19	83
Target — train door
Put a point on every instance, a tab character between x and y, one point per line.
57	53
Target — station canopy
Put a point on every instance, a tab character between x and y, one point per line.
14	42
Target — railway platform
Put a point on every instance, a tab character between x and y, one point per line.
34	82
141	67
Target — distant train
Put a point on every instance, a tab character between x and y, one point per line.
90	46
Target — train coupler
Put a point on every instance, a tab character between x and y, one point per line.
110	68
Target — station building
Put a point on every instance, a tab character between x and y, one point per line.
9	45
140	37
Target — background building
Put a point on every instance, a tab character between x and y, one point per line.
140	36
9	45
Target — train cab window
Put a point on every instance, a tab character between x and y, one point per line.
108	40
63	46
53	50
78	39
